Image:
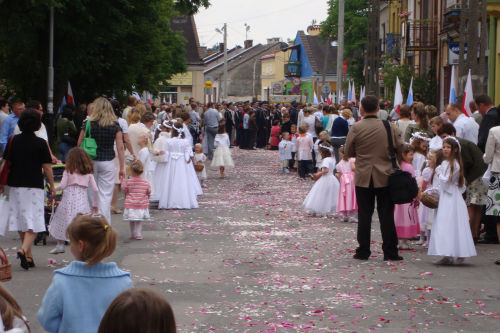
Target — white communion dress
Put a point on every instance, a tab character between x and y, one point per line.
179	188
222	155
450	234
161	165
322	199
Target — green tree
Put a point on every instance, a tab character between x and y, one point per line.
355	34
191	7
424	85
102	47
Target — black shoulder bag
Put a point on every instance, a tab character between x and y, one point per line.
402	185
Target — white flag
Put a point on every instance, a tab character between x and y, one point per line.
398	96
468	96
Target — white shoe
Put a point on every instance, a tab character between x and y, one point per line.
444	261
57	249
352	219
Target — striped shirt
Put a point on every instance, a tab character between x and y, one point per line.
137	193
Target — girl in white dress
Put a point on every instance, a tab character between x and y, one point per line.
199	159
222	155
179	189
145	158
451	236
420	143
159	157
322	137
322	199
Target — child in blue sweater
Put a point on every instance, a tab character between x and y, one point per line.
81	292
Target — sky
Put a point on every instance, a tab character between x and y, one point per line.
266	18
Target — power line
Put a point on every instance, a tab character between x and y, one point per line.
262	16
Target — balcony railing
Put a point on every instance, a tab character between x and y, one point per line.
292	69
422	36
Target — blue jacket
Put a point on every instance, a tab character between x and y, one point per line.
8	127
79	296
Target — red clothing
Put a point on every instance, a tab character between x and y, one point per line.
275	136
137	193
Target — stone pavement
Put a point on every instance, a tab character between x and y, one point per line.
249	260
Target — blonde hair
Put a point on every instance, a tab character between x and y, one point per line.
99	236
134	116
137	168
347	113
198	145
103	112
326	133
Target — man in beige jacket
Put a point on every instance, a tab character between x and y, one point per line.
367	142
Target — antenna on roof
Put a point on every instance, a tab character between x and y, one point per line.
247	29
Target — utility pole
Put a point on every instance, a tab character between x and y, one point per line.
373	48
50	85
225	62
340	49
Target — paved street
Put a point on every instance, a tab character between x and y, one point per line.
249	260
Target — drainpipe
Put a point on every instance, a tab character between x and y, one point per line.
492	58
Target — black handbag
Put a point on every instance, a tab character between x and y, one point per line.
402	185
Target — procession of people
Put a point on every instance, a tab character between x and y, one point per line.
158	156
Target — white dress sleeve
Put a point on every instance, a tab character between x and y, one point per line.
444	177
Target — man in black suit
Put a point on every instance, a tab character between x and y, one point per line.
229	116
491	118
294	114
260	117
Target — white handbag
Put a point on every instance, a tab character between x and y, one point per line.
487	176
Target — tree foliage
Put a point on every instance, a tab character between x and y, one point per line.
102	47
424	85
191	7
355	34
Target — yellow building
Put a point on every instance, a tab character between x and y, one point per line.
183	86
273	73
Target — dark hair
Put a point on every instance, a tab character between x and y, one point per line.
210	104
221	129
447	128
276	122
3	102
455	155
33	104
117	108
67	111
147	117
370	103
152	308
177	130
79	161
406	149
184	116
30	121
483	99
325	152
132	100
404	111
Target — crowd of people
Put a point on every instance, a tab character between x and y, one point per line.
158	154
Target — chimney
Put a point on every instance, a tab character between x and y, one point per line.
221	47
248	43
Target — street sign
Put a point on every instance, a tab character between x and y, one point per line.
326	89
208	84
